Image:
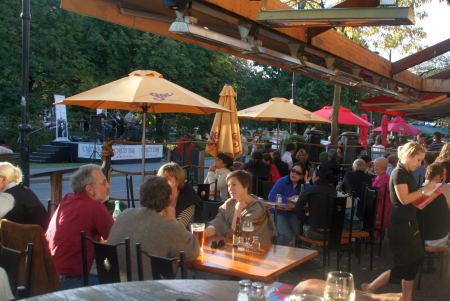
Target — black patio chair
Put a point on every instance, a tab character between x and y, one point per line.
161	267
106	260
17	265
332	233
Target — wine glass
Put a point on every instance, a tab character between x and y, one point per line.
339	287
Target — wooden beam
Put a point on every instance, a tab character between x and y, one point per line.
436	85
421	56
443	74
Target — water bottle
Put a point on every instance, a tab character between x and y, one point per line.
116	211
279	198
244	290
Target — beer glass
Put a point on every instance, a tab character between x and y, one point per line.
198	229
339	287
247	233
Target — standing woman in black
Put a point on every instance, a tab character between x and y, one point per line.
404	236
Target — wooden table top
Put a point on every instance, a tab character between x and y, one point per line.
162	290
264	265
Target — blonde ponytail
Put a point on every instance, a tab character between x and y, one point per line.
410	149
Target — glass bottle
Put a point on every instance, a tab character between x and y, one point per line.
279	198
237	232
257	292
256	244
241	244
117	210
244	290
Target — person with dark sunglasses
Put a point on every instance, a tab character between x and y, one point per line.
289	187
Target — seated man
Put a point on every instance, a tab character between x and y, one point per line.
82	210
313	204
355	182
154	226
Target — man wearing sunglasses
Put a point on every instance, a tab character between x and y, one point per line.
289	187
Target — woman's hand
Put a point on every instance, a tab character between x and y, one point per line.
430	186
212	168
210	231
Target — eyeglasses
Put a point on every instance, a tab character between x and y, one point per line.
298	173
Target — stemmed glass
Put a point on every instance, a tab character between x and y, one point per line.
339	287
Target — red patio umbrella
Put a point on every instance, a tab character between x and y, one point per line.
345	116
399	125
363	132
384	129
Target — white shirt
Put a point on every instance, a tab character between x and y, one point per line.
220	176
377	151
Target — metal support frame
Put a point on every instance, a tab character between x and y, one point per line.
329	17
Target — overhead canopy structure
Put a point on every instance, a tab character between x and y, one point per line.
428	107
233	27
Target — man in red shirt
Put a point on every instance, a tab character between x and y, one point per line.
82	210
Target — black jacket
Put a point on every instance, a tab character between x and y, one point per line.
27	207
317	199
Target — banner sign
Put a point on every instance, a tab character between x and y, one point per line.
62	132
121	151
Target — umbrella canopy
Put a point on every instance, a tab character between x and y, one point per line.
144	91
399	125
280	109
363	132
345	116
384	129
225	134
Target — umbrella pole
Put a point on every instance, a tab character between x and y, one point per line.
144	122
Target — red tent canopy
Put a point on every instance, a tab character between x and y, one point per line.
345	116
395	107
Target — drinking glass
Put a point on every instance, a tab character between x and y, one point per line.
339	287
198	229
303	297
247	232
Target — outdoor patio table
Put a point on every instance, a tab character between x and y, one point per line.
265	265
160	290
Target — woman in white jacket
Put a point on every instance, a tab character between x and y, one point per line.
218	172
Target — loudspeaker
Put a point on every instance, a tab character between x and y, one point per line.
175	4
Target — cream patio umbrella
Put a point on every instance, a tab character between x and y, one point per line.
144	91
280	110
225	135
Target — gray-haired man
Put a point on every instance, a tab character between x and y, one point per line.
81	210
